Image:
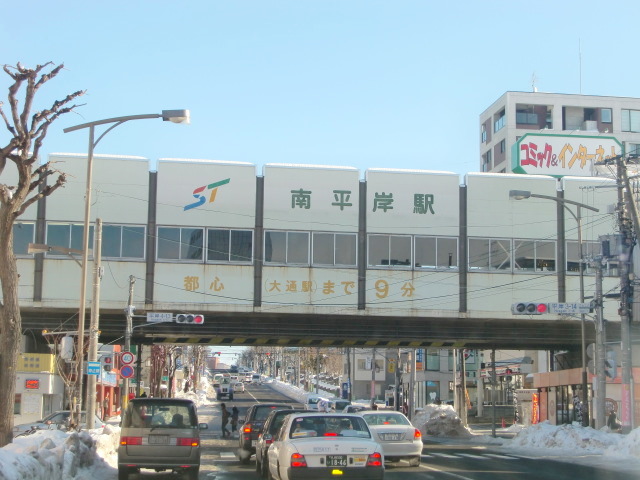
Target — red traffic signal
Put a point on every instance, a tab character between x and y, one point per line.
190	318
529	308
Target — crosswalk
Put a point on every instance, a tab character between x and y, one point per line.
230	455
473	456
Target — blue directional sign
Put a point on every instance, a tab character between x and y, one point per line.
93	368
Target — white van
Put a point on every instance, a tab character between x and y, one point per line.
311	403
256	378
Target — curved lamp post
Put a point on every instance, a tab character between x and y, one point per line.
524	194
175	116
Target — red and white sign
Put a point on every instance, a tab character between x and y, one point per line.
127	371
560	155
127	357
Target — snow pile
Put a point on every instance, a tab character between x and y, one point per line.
564	437
440	421
627	446
199	397
49	454
289	390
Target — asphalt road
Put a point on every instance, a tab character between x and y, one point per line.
447	460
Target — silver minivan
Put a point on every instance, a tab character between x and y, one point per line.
160	434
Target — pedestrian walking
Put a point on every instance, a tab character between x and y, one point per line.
234	418
225	420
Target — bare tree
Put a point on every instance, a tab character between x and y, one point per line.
26	135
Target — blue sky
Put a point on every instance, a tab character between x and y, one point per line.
336	82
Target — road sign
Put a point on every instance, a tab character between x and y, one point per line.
127	371
159	317
569	308
93	368
127	357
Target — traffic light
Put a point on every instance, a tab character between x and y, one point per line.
529	308
610	364
107	362
190	318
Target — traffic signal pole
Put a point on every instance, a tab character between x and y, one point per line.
127	341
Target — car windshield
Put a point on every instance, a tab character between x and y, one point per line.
150	414
385	419
328	427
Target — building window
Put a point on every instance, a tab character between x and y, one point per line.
180	243
66	235
534	255
224	245
483	133
633	148
503	146
17	404
499	122
23	235
334	249
486	161
524	117
389	251
436	252
589	250
433	359
606	115
289	248
630	121
123	241
489	254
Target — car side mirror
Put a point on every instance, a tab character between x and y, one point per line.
267	437
203	426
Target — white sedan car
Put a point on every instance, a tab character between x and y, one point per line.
238	387
329	445
398	437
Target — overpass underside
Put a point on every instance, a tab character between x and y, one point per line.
335	330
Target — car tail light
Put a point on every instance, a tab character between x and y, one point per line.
297	460
130	440
417	434
330	434
187	442
374	460
247	428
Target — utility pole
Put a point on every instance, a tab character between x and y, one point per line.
94	325
463	388
601	380
626	297
127	340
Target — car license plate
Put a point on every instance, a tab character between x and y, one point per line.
390	437
158	439
254	443
336	460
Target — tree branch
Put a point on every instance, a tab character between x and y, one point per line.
48	190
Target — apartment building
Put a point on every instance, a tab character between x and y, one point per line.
516	114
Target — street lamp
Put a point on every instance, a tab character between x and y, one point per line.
524	194
175	116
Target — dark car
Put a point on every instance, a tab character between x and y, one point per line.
59	420
271	426
252	427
